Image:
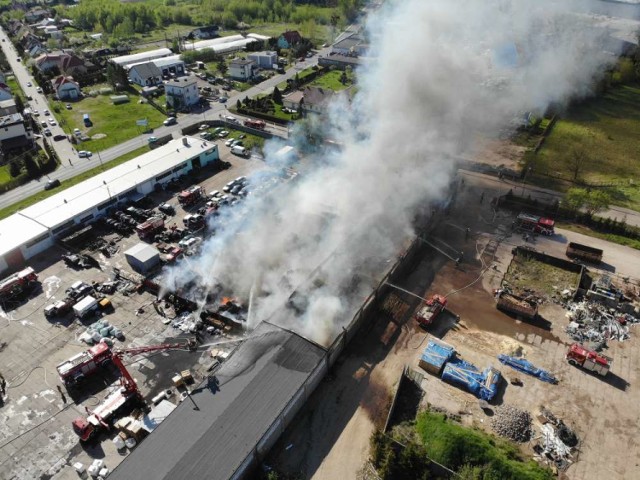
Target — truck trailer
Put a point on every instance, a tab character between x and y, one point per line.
510	303
584	252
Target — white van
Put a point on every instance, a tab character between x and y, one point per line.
239	150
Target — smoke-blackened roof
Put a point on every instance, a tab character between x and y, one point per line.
253	387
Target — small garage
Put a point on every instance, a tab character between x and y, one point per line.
142	257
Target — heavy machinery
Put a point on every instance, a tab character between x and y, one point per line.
84	364
126	395
191	195
431	308
18	283
149	228
580	356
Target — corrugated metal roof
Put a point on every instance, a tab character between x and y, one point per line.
254	386
58	209
141	57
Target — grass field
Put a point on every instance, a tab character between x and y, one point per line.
117	122
603	133
24	203
529	274
610	237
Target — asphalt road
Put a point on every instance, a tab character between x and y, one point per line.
71	165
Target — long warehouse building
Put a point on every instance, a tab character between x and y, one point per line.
236	416
34	229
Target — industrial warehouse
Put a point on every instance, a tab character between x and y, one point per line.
35	228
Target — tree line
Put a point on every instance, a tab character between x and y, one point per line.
126	19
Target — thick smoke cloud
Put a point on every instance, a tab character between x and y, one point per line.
440	74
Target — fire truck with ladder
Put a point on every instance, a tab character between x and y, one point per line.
126	395
17	283
580	356
430	309
85	364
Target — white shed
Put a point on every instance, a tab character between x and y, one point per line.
142	257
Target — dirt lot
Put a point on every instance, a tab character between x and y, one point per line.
36	439
330	437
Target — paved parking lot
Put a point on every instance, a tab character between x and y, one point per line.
36	439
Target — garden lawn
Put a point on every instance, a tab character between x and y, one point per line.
604	132
331	80
117	122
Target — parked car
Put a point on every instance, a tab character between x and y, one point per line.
59	137
223	134
68	106
84	154
229	142
43	124
39	90
206	136
36	113
52	184
174	254
203	127
29	84
222	99
77	132
167	208
46	112
47	132
170	121
52	122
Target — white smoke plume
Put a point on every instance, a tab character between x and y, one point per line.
440	74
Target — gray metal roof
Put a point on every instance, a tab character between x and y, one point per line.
254	386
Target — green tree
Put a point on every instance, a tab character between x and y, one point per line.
14	169
222	66
276	96
238	104
116	75
33	168
591	201
578	160
19	103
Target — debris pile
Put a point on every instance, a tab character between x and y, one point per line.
595	322
557	442
512	423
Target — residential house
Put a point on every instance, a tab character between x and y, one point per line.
289	39
67	63
73	65
309	99
37	50
12	131
5	92
354	44
53	32
145	74
36	14
340	61
182	93
28	40
241	69
48	61
65	88
8	107
266	60
203	33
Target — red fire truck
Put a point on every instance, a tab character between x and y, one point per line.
257	124
149	228
18	283
125	396
580	356
431	308
191	196
84	364
535	224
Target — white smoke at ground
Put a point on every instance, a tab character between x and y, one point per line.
440	74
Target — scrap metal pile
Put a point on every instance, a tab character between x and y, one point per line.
595	322
512	423
557	442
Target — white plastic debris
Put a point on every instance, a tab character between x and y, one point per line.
79	467
130	443
104	472
118	442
